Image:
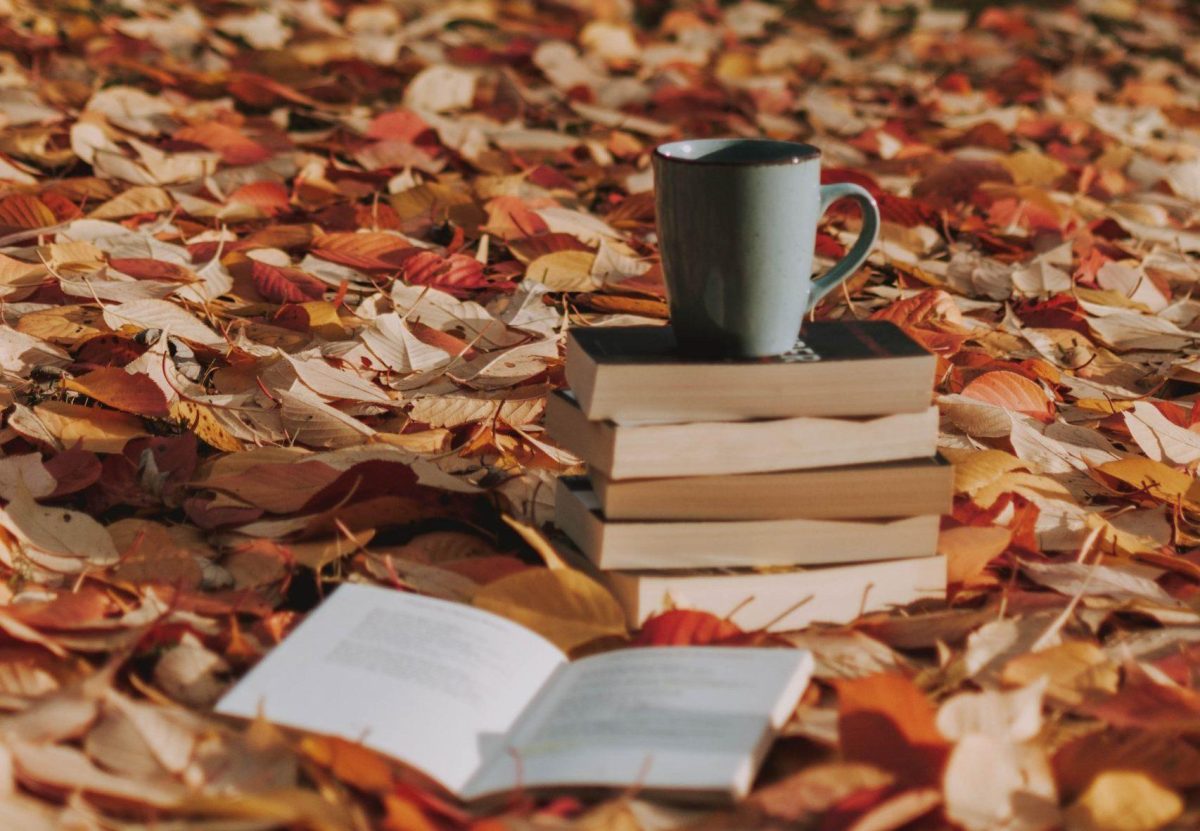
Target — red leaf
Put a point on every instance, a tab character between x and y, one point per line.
121	390
827	246
404	125
73	469
285	285
108	350
61	206
1012	392
453	274
686	627
229	142
145	268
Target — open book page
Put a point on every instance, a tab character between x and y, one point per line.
661	718
431	683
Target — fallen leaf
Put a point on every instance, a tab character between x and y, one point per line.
563	605
1121	800
886	721
968	550
121	390
1011	392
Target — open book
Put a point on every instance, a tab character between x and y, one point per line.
483	706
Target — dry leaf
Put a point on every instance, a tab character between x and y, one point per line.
563	605
1124	801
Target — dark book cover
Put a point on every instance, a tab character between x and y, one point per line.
832	340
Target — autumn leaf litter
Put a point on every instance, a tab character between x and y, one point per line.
284	289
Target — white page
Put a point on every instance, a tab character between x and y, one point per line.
432	683
667	718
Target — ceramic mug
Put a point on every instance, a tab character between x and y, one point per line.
737	222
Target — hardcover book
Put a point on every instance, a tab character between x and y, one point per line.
484	706
837	369
656	450
759	543
870	491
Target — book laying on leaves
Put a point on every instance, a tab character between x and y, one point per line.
780	600
889	489
838	368
643	450
484	706
712	544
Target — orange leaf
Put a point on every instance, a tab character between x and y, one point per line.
269	197
24	211
121	390
404	125
369	251
229	142
351	762
1011	391
442	340
887	721
686	627
510	218
969	549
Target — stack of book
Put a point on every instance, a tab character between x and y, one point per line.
775	491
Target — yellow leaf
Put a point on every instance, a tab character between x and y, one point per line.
1102	406
567	607
1029	485
1030	167
735	66
200	420
142	199
968	550
976	471
63	325
564	270
1121	800
537	541
323	319
436	440
1154	478
101	431
1073	668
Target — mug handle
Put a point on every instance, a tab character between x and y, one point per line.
862	246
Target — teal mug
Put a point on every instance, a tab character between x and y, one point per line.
737	223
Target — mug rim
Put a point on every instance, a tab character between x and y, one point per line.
791	152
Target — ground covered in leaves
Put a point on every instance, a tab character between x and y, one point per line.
284	285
